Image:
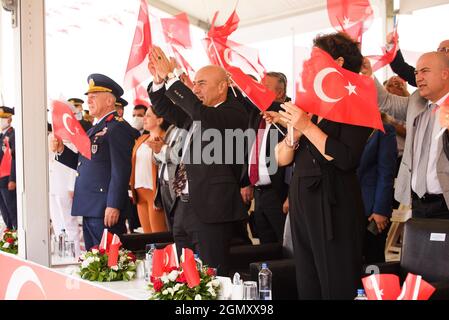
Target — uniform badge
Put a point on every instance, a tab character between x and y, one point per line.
94	148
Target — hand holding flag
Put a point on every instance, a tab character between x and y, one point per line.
65	126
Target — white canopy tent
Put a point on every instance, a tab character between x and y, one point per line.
260	21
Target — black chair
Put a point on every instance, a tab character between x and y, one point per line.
425	252
136	241
283	279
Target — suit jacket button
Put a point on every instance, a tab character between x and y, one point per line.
101	190
79	163
77	174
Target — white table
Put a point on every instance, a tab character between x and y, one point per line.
137	289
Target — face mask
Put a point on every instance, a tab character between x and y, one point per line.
79	116
4	123
137	123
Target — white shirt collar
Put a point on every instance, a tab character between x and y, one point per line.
4	131
439	102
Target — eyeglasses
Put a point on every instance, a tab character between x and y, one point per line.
443	49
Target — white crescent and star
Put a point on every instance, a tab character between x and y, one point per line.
64	121
318	85
19	278
226	56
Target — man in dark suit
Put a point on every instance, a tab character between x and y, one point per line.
402	68
101	187
8	196
269	188
78	104
376	173
208	193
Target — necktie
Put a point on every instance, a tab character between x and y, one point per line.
180	180
254	164
421	182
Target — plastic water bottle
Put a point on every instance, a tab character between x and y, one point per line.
149	261
199	263
61	243
361	295
265	276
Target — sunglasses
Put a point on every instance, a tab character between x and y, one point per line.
443	49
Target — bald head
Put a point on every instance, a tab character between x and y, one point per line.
444	47
432	75
211	85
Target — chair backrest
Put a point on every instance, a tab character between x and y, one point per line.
136	241
425	249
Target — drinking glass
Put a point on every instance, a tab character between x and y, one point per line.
250	290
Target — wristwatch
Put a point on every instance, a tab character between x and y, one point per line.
175	74
169	76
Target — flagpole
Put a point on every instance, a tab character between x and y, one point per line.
222	65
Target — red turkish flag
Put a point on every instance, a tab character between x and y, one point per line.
171	256
177	30
189	269
231	53
415	288
66	127
113	251
158	267
388	56
381	286
351	16
141	96
183	62
106	240
5	164
259	95
164	260
225	30
137	69
338	94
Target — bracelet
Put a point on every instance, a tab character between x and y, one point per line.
293	146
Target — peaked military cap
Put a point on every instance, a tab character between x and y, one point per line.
76	101
101	83
6	112
121	102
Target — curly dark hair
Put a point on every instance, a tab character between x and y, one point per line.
164	125
339	44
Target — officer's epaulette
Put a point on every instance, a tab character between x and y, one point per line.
119	119
109	119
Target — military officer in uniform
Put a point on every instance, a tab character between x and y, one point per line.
120	105
78	104
101	187
8	196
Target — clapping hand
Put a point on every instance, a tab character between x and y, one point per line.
155	143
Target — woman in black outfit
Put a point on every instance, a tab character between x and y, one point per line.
326	208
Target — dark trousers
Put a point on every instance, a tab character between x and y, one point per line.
131	215
8	207
211	241
167	203
374	246
93	230
268	215
429	206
